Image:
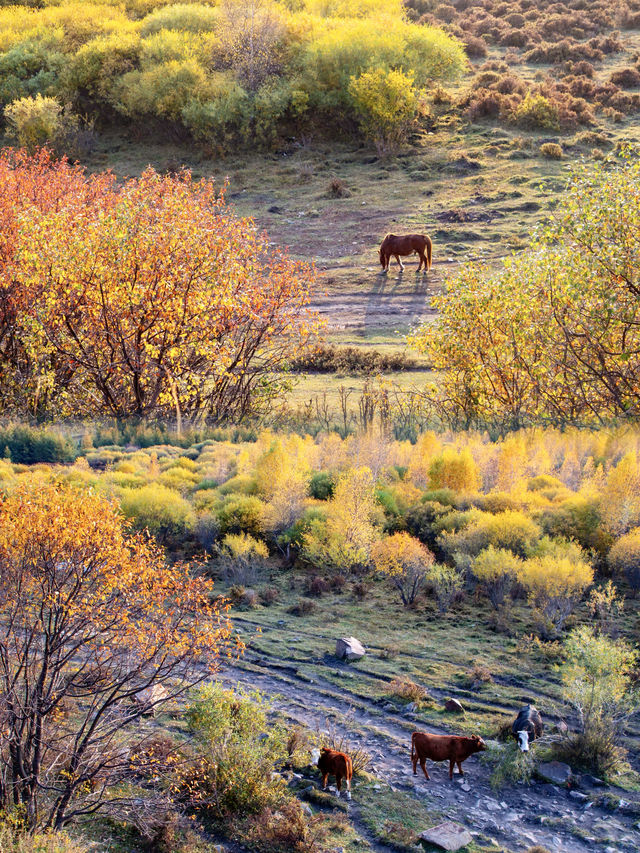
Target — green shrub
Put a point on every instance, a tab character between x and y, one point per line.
322	485
241	558
13	839
27	446
160	510
163	90
578	518
27	69
446	583
98	64
242	514
598	686
624	558
239	749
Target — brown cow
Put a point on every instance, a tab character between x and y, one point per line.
449	748
336	764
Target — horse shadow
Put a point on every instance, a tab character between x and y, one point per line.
399	300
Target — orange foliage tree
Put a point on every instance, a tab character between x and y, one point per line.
95	629
148	297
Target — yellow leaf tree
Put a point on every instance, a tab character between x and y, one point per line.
405	562
95	630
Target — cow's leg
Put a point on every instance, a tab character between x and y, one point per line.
414	761
424	767
325	779
460	768
338	785
348	788
397	257
451	763
423	260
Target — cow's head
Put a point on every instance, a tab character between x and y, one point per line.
523	741
315	755
478	743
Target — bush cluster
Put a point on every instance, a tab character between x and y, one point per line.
227	73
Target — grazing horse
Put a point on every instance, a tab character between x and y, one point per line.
394	245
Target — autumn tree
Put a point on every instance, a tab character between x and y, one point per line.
553	335
405	561
95	630
151	297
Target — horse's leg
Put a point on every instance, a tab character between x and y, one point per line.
397	257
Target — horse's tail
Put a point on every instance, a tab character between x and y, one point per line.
429	248
383	256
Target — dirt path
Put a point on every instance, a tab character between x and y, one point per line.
516	816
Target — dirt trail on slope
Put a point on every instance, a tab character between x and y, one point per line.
514	816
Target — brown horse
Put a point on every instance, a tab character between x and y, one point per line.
408	244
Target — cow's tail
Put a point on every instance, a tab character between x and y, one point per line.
413	747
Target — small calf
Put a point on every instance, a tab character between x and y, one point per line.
333	763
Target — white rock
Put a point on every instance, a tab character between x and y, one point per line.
447	836
348	648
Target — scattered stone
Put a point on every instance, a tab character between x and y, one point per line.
447	836
556	772
453	706
410	708
348	648
579	796
306	809
275	208
592	781
560	728
388	707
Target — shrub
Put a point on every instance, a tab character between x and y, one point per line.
386	103
512	766
555	581
241	558
408	690
322	485
207	530
497	569
13	839
454	470
405	562
160	510
337	188
343	540
239	748
551	150
511	530
242	514
33	122
598	687
27	446
446	583
628	78
624	558
280	830
536	112
304	607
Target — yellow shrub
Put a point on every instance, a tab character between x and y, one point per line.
555	584
33	122
455	470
